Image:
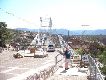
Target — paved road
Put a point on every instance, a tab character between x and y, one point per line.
11	67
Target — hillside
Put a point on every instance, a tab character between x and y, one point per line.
65	31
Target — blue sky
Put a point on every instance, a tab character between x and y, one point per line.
66	14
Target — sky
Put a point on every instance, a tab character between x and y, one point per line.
65	14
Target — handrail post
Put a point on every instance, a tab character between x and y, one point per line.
56	60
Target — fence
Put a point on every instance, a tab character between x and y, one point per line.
58	59
95	73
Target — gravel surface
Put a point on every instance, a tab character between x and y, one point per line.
7	60
10	67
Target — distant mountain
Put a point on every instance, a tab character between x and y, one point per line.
81	32
27	29
65	31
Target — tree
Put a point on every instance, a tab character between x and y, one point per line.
4	34
102	59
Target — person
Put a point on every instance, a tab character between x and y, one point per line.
67	55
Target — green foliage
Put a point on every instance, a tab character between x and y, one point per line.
99	51
103	70
102	58
95	49
4	34
80	51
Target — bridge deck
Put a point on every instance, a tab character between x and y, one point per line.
59	77
71	74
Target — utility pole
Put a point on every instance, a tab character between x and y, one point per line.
68	36
50	26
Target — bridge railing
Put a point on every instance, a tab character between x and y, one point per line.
95	73
49	71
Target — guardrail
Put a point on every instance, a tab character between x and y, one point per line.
44	74
95	73
56	59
